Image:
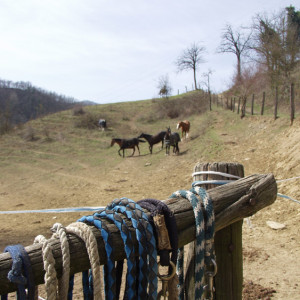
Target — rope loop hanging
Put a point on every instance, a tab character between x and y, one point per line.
49	267
21	261
204	253
92	290
63	282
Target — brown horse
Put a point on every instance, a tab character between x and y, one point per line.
127	144
154	139
185	128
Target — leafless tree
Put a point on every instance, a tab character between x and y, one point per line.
276	42
190	59
164	86
236	42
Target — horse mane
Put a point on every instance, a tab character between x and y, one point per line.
147	135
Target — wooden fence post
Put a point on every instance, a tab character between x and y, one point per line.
263	104
292	103
233	104
252	104
228	244
276	103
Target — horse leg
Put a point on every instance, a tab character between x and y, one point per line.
133	150
120	153
150	149
138	149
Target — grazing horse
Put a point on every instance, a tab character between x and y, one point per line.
172	139
154	139
127	144
185	128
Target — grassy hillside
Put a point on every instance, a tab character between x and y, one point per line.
57	162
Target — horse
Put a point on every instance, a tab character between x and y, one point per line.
154	139
102	124
127	144
171	139
185	128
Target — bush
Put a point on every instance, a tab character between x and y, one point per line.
78	111
182	106
88	121
29	134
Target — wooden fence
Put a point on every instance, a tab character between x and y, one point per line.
232	202
242	103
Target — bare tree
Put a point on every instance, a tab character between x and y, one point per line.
206	75
235	42
164	86
190	59
276	42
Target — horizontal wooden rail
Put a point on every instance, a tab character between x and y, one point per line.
232	202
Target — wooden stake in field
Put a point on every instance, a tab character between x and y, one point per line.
292	103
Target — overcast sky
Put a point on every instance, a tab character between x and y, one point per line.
116	50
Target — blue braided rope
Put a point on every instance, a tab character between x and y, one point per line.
204	237
129	249
144	231
200	248
110	270
141	237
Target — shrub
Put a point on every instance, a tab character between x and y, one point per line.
88	121
29	134
78	110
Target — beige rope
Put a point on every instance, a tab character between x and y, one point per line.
49	267
85	233
63	282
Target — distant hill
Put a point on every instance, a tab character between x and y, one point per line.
86	103
21	102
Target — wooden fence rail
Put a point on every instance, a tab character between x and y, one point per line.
232	202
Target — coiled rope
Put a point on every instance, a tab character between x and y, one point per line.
63	283
204	238
147	246
128	246
85	233
49	267
109	268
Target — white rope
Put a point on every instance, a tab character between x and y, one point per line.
49	267
63	282
52	210
215	173
288	179
86	234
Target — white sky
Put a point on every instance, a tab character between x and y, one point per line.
116	50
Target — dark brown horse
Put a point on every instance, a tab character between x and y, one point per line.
154	139
172	139
185	128
127	144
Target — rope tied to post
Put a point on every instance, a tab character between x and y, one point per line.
205	256
20	261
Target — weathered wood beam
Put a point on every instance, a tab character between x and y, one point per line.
232	202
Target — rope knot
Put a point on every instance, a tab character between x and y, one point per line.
15	274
